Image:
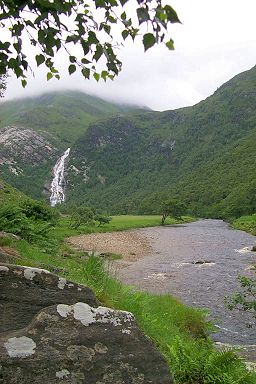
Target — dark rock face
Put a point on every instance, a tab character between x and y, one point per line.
25	291
73	343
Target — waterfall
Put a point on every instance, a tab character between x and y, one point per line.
57	184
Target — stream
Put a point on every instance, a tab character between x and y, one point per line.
198	263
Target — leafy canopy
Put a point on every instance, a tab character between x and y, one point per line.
88	31
173	208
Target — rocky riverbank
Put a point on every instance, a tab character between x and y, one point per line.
131	245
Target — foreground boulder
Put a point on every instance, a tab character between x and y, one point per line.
24	291
72	343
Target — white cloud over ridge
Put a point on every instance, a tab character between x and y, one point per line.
216	41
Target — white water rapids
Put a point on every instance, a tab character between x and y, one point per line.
57	184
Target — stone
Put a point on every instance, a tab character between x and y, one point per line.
54	331
9	235
8	255
24	291
253	248
80	344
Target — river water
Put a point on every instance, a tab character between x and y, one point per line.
198	263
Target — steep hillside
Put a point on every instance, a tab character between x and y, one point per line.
204	154
8	194
65	115
34	132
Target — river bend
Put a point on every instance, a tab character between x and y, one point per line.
175	266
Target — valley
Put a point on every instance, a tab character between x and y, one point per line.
126	160
105	167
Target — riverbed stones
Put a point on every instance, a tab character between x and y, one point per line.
24	291
66	341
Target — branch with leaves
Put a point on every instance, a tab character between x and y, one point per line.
50	26
3	85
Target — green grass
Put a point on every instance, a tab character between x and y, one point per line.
176	329
246	223
8	194
180	332
118	223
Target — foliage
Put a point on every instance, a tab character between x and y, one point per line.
246	299
103	219
202	155
30	220
8	194
3	85
82	215
192	363
37	210
173	208
117	223
246	223
50	26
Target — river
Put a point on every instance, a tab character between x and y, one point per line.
198	263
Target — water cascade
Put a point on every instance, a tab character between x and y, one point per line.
57	184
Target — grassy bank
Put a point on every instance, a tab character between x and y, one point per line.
180	332
246	223
117	223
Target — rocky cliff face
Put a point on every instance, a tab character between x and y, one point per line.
22	145
27	158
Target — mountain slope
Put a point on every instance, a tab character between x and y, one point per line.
203	154
34	132
65	115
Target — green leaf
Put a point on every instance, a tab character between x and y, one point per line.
125	34
72	59
85	61
86	72
49	76
107	28
96	76
148	41
92	38
123	16
71	69
170	44
171	14
143	15
18	72
98	53
104	75
40	59
57	77
112	19
23	83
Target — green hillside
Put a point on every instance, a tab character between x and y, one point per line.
65	115
34	133
205	155
127	160
8	194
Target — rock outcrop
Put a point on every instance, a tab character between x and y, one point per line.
67	338
24	291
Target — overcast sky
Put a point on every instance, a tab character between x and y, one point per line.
216	41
